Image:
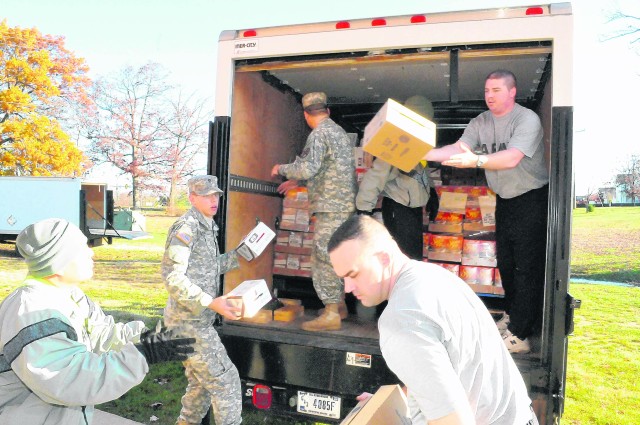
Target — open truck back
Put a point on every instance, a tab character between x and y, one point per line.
28	199
262	74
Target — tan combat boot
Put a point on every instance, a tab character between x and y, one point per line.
342	310
328	321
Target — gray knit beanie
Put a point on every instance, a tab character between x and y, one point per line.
49	245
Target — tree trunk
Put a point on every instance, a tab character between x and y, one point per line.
171	204
134	193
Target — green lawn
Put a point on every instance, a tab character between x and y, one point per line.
606	244
603	364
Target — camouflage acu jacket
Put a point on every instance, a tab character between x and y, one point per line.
191	268
328	166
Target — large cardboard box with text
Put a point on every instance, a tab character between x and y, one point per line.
388	406
399	136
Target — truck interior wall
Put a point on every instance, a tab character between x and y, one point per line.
96	197
267	128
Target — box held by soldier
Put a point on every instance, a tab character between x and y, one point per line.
255	242
399	136
250	295
387	406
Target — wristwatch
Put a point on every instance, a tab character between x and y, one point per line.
482	159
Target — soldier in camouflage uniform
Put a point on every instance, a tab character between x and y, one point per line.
191	270
328	167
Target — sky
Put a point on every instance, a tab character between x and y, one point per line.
182	35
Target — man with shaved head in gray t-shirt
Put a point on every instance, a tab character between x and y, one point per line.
507	142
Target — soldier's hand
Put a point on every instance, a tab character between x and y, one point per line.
287	186
223	307
274	170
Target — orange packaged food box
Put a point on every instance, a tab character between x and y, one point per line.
447	222
445	248
296	198
472	214
288	313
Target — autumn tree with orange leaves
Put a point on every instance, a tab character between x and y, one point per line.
40	82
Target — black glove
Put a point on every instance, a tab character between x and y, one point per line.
361	212
163	345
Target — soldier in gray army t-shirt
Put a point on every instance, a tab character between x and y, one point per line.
507	142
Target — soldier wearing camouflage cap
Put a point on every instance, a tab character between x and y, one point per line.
191	270
327	166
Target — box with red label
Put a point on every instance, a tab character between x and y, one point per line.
255	242
479	253
480	279
295	219
305	266
445	248
294	242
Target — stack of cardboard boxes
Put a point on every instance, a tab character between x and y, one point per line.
462	236
294	239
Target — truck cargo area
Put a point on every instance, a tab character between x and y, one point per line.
265	126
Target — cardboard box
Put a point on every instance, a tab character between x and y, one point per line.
262	316
399	136
255	242
250	295
388	406
364	160
288	313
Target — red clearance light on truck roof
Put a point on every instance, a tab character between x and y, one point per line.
534	11
249	33
378	22
418	19
343	25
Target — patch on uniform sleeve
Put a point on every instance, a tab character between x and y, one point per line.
305	152
184	237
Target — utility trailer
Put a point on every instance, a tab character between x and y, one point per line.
26	200
262	74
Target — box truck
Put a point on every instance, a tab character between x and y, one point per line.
360	64
89	206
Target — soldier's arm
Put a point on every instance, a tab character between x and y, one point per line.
373	183
228	261
308	163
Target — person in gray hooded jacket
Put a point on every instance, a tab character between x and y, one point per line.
60	354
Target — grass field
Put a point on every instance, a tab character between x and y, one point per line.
603	364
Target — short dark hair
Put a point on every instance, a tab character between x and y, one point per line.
353	228
507	75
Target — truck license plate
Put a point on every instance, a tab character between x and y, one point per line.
327	406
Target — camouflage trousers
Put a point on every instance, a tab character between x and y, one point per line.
212	378
328	285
